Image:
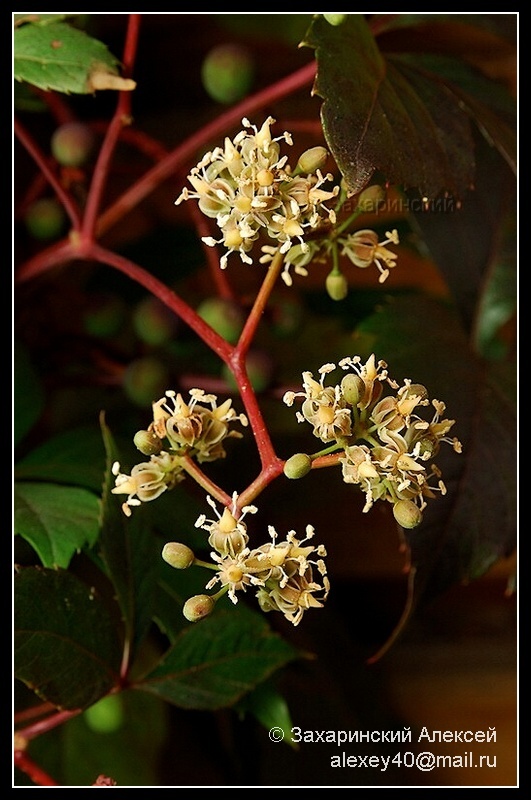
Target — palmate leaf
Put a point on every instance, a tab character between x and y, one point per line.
58	521
66	647
388	115
215	662
56	56
271	710
465	532
75	457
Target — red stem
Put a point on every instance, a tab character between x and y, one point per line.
34	711
44	725
253	320
32	770
121	117
42	163
268	474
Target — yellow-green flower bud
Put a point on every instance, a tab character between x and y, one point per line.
297	466
371	198
312	160
407	514
336	285
352	388
147	442
198	606
178	555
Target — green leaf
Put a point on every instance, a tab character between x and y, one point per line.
28	394
66	648
468	530
130	554
58	521
498	302
270	708
40	19
487	103
59	57
480	25
76	457
393	116
216	661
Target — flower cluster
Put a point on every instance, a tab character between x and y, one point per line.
385	444
249	189
282	572
197	428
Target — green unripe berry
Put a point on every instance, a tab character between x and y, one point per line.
144	380
336	285
227	73
45	219
197	607
72	144
105	716
224	315
154	322
297	466
407	514
147	442
334	19
178	555
352	388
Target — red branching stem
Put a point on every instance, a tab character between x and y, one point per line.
44	725
268	474
54	256
189	148
166	295
190	466
101	171
129	53
121	118
42	163
32	712
24	763
259	305
237	364
327	461
252	409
